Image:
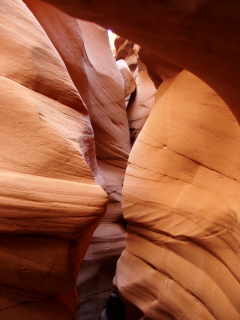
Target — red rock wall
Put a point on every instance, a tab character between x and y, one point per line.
85	50
182	182
50	201
181	204
142	101
194	35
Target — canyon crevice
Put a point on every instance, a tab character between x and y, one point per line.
119	172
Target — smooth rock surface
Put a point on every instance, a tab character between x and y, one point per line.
85	50
194	35
130	84
50	202
142	102
182	208
181	192
126	50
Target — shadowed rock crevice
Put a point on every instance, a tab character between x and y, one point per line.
69	117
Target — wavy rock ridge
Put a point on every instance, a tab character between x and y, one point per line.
180	195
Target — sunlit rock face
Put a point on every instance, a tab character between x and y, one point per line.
194	35
181	189
142	101
130	84
127	51
85	50
50	201
181	204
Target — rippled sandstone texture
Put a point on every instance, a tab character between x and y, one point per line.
125	49
194	35
142	101
182	202
50	200
85	50
139	104
183	235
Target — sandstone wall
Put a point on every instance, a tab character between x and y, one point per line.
193	35
50	201
181	204
85	50
182	182
142	101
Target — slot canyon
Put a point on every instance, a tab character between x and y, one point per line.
120	160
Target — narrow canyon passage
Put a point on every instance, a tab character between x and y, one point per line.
136	158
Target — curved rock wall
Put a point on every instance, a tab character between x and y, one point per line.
50	201
85	50
193	35
181	204
142	102
183	235
182	182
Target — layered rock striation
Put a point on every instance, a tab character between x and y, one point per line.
196	36
64	134
50	201
85	50
183	234
181	187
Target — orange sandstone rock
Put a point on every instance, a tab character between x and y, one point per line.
130	84
50	202
142	103
194	35
182	184
158	69
85	50
182	208
150	75
125	49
